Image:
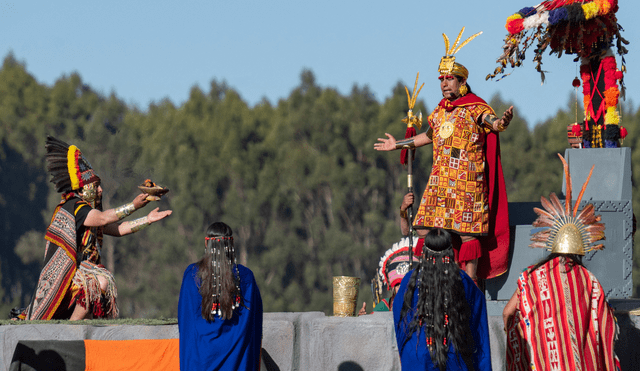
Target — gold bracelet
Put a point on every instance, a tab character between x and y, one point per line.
403	214
139	224
125	210
406	143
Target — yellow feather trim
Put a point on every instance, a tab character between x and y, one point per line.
72	167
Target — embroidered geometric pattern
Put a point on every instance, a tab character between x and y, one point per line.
59	269
63	228
456	196
562	322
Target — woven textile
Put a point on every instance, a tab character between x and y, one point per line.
466	193
59	267
456	195
61	283
562	321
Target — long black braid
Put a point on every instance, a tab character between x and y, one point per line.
441	316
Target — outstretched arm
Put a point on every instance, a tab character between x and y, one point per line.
133	226
499	124
97	218
390	143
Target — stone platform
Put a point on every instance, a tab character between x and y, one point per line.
312	341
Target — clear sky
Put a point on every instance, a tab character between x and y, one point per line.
146	51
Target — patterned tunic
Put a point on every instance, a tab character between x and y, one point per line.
562	321
72	258
456	197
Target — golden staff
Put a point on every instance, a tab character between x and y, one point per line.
412	121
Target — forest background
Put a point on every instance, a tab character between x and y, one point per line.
299	182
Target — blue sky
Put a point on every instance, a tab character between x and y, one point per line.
146	51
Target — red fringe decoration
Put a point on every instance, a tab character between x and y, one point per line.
98	310
411	132
609	69
582	41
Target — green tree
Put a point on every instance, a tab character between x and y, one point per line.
299	182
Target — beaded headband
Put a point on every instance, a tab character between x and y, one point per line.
218	238
437	251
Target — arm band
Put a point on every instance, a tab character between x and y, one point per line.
430	133
403	214
490	119
406	143
125	210
139	224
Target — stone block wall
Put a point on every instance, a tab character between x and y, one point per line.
311	341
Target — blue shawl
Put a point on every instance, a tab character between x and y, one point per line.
222	344
415	354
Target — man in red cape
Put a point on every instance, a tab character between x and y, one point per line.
558	317
466	192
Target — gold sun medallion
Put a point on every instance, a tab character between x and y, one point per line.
446	130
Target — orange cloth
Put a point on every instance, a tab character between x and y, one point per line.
139	355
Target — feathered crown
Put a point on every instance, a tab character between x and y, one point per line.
69	170
448	65
567	231
394	264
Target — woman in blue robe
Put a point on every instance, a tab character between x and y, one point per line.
440	315
220	309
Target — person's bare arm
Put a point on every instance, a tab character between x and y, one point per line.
97	218
128	227
510	309
390	143
363	310
407	201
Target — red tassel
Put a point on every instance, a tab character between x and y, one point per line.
576	82
575	129
411	132
623	132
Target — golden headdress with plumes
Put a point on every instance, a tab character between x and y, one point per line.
567	231
448	65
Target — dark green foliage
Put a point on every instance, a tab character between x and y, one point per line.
299	182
